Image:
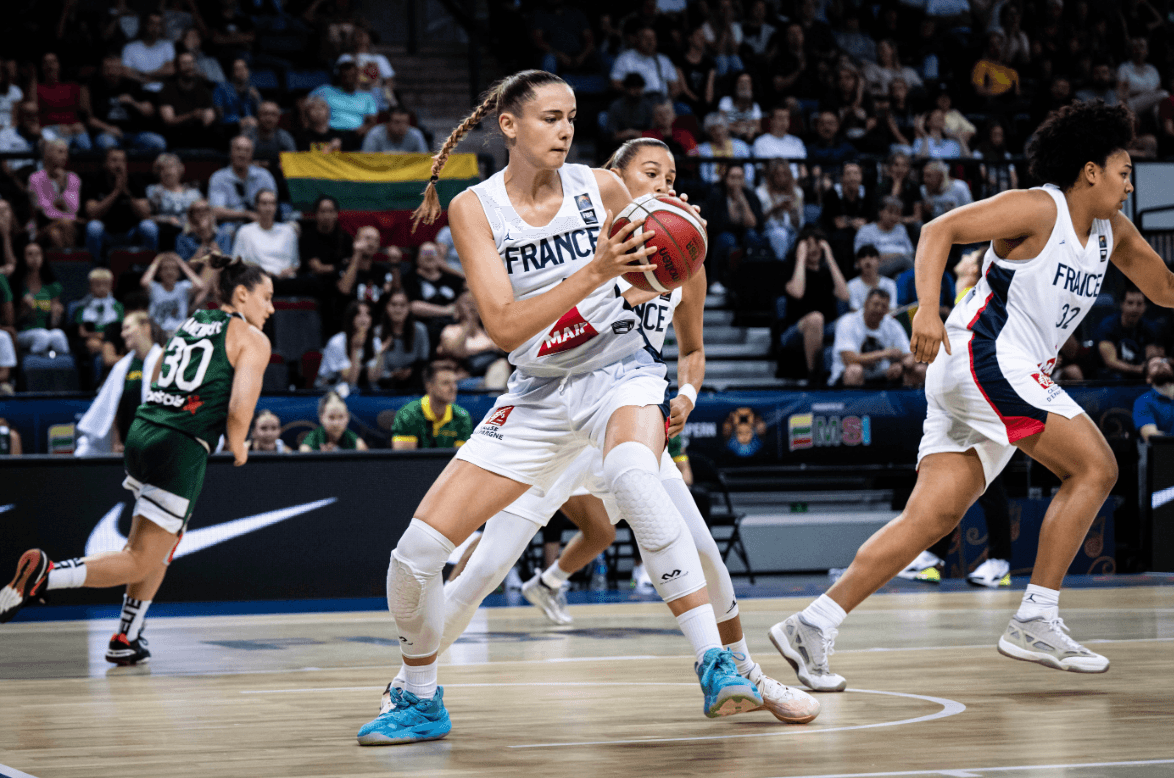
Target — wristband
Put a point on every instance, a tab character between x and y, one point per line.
688	390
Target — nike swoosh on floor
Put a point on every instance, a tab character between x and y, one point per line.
107	537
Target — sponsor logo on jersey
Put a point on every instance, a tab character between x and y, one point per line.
807	430
621	327
1043	379
1104	243
198	330
498	417
571	331
555	250
160	397
583	203
193	404
1077	282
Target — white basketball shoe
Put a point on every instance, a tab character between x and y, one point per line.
1046	642
787	704
551	602
992	574
924	568
807	648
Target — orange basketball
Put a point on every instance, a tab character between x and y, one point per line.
678	237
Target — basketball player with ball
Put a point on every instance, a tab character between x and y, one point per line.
647	169
540	256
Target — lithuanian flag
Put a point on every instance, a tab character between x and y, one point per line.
373	182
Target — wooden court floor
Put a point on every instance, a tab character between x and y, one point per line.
611	695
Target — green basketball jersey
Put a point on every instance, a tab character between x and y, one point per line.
195	381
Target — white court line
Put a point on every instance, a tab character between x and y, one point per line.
949	708
466	686
5	770
970	771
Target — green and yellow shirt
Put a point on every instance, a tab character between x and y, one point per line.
417	423
316	439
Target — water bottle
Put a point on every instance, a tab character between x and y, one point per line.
599	574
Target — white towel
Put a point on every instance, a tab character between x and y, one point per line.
94	427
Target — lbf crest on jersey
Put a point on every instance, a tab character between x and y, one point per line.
1104	248
583	203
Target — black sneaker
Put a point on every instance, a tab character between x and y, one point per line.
32	571
124	652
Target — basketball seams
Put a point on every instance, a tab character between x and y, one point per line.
681	253
651	207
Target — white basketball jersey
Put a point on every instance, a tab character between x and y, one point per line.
655	315
1034	305
599	330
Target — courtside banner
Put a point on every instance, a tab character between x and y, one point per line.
373	182
296	526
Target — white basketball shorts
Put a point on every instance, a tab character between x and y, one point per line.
540	425
987	399
584	476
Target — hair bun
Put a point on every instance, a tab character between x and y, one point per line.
220	260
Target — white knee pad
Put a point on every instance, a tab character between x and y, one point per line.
503	542
717	577
632	473
414	593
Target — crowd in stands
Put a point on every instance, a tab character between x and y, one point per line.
818	136
104	108
815	130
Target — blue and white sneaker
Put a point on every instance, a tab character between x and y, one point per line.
407	719
726	692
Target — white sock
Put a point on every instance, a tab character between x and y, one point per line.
134	615
700	628
70	574
420	680
554	576
741	655
825	613
401	677
1038	601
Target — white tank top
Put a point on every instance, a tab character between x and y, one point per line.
655	315
599	330
1033	305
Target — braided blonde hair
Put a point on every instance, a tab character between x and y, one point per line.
507	95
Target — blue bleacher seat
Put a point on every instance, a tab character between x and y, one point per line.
49	374
265	80
306	80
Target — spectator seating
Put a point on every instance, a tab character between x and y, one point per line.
721	512
297	328
72	269
311	361
276	378
49	374
301	81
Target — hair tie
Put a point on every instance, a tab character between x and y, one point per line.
434	179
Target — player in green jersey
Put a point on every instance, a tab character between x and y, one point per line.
205	385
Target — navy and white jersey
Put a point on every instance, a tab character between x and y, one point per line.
1031	306
598	331
656	314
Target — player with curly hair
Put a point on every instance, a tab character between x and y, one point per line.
989	389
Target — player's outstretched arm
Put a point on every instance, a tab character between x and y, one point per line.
252	351
1015	216
510	322
1140	263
